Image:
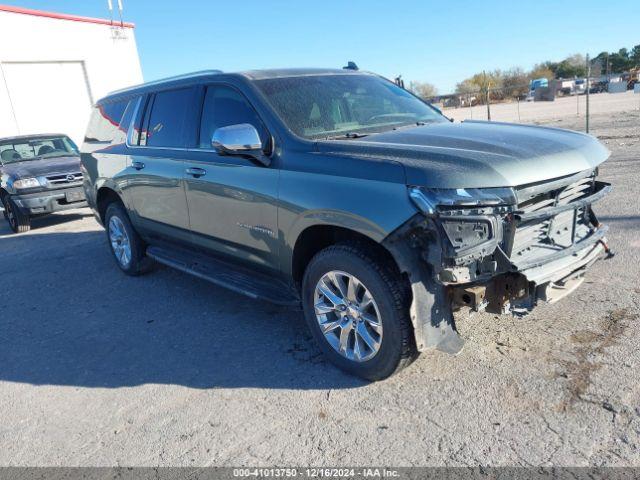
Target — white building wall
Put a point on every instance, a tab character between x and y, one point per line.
42	62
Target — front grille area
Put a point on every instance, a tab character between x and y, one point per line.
64	178
553	217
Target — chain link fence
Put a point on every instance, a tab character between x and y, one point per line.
560	100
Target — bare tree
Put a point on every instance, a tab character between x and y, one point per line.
423	89
541	70
515	83
480	83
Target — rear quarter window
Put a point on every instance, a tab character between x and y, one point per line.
109	122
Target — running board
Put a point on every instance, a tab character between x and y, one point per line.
239	279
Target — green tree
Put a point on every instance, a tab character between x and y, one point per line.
573	66
616	62
634	56
620	61
599	63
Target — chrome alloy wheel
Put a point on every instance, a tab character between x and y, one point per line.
348	316
119	241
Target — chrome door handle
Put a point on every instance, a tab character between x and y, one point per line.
138	165
196	172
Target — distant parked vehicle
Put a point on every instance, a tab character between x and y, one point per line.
580	86
534	85
633	77
565	88
598	87
39	174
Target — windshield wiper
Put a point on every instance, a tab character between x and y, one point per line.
348	135
411	125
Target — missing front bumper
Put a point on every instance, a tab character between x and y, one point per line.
518	292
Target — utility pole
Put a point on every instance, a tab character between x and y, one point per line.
488	99
577	98
588	87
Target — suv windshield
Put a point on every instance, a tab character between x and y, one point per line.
24	149
326	106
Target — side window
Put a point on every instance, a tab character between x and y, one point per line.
112	112
128	114
166	119
224	106
105	121
138	135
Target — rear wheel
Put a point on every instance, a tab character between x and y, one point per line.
357	311
126	245
18	221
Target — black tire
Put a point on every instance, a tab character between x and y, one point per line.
397	347
18	221
138	263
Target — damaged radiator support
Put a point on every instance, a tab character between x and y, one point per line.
500	259
508	293
550	240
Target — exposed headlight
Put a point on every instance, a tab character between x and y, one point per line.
429	199
26	183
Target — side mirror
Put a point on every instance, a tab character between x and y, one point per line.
240	139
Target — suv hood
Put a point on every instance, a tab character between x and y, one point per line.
42	167
475	154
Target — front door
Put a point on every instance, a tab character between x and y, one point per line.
232	200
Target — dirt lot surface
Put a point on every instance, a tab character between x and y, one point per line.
97	368
562	108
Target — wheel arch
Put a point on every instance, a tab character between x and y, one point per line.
315	238
104	196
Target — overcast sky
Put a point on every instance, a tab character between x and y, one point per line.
438	42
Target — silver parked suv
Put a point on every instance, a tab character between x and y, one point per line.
342	192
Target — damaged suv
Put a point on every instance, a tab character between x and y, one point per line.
342	192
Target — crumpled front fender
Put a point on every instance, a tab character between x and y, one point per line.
430	310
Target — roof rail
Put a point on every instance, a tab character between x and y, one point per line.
184	76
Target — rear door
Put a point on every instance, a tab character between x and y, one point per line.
158	144
232	200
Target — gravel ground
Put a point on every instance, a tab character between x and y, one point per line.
97	368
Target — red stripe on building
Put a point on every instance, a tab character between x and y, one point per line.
63	16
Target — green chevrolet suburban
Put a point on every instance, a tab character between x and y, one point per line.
343	193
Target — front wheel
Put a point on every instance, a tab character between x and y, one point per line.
18	221
357	311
